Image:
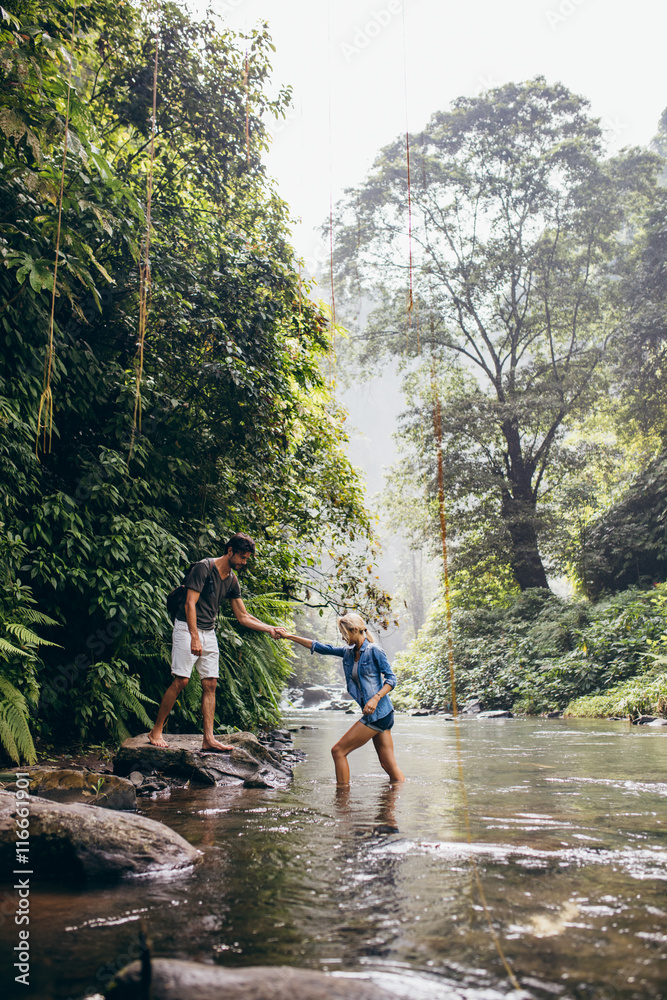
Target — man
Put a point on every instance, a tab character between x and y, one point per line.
194	642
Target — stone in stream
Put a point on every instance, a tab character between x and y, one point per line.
496	713
249	763
657	722
643	720
172	979
314	696
88	842
62	784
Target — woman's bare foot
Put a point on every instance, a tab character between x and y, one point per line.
157	741
213	744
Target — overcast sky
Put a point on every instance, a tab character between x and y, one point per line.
351	64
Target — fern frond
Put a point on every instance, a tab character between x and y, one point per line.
36	617
17	722
7	650
8	741
26	635
14	714
129	700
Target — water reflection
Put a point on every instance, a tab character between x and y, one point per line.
385	811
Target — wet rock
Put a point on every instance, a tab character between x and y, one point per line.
472	707
417	712
88	842
307	727
657	722
497	713
176	980
553	715
136	777
341	706
643	720
69	786
315	696
152	785
249	762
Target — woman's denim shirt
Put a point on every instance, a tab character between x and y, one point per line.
373	671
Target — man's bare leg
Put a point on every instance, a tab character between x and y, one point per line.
168	701
208	685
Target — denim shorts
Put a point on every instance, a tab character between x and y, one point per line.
379	725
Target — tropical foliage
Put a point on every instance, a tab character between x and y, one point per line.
536	652
235	427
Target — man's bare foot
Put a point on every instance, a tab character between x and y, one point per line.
215	745
157	741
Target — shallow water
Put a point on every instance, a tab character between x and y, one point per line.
567	838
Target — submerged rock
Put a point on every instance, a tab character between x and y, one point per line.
249	763
177	980
88	842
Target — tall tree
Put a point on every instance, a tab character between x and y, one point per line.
514	223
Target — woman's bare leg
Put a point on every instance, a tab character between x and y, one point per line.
384	748
351	740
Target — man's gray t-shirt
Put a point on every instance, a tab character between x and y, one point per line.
204	578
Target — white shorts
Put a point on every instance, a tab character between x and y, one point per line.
183	660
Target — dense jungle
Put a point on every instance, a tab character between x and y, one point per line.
172	386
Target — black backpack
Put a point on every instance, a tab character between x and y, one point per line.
177	597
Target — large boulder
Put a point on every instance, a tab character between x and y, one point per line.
250	763
315	696
61	784
171	979
88	842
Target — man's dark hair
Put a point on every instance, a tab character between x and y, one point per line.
240	543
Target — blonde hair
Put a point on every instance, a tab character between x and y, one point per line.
353	620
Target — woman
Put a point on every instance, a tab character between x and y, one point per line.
369	680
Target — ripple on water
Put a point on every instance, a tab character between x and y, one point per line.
639	863
637	787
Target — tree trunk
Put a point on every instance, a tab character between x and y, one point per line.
525	560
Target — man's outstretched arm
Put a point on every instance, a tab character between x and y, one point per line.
244	617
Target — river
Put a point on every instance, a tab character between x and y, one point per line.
564	830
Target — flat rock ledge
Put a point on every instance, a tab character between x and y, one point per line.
63	784
89	842
250	763
174	980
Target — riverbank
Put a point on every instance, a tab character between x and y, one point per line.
538	653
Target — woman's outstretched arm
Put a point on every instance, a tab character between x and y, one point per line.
314	645
296	638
